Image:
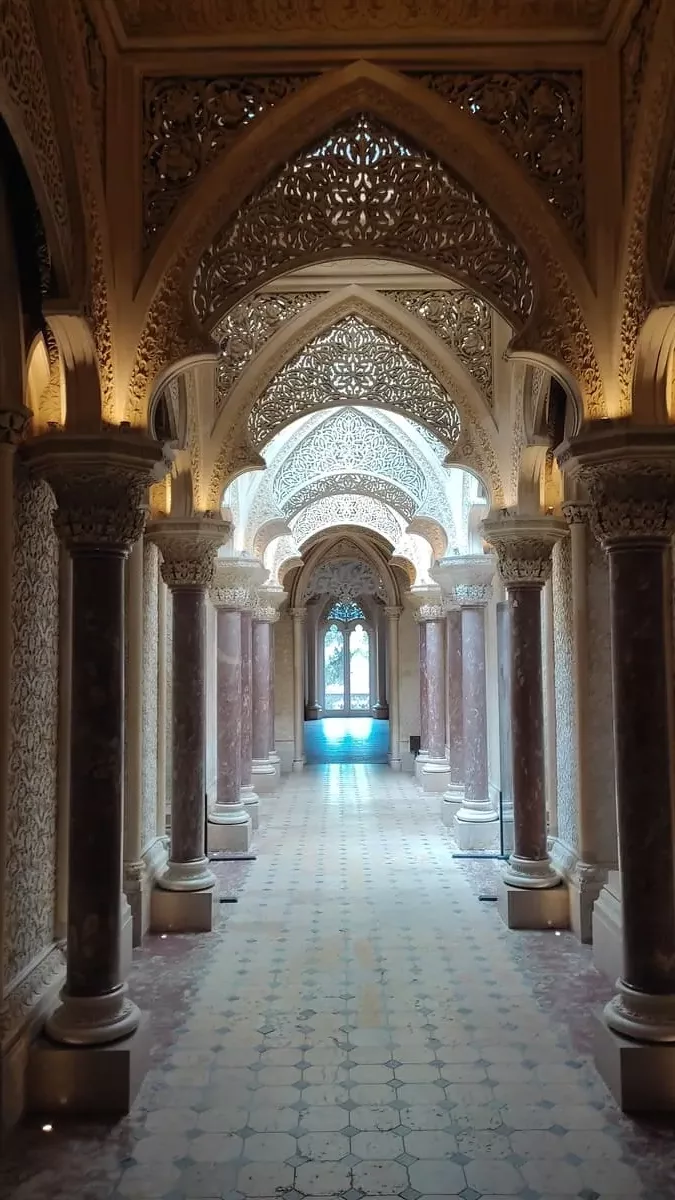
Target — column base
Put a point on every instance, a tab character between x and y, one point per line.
77	1080
298	765
421	759
381	712
608	929
640	1015
183	912
264	776
192	876
394	763
235	835
93	1020
251	802
451	802
434	775
476	829
640	1075
543	908
312	712
126	943
531	873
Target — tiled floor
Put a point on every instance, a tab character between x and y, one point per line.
346	740
361	1025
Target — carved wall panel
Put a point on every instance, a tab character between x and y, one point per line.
352	362
244	330
463	321
352	482
187	123
30	851
96	65
364	190
537	117
634	54
344	580
150	668
347	510
348	441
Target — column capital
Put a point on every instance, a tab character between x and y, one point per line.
298	614
629	474
100	482
188	547
465	579
429	611
235	581
524	546
392	610
576	513
268	603
13	424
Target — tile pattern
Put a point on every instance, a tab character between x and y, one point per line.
360	1025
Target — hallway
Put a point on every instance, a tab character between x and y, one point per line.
359	1025
346	740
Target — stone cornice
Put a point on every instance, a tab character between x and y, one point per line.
524	546
629	474
188	547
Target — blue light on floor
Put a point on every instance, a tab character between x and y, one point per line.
346	740
359	729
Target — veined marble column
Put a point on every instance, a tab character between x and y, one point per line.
393	615
188	549
249	795
381	707
524	546
454	723
476	821
100	483
298	617
265	773
229	825
629	473
434	772
312	708
134	869
424	730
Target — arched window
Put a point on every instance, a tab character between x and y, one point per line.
346	660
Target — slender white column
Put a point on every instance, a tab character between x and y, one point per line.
393	615
298	616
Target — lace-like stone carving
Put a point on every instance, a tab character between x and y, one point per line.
96	72
359	484
524	548
353	362
188	549
244	330
347	510
537	118
364	190
633	65
348	442
187	123
463	321
344	580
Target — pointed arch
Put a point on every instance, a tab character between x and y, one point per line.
340	543
565	307
230	449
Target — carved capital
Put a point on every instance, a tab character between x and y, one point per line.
188	548
13	423
575	513
234	583
524	546
472	595
298	614
629	473
464	575
100	482
393	611
429	612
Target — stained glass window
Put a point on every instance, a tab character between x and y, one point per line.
346	610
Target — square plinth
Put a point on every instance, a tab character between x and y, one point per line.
534	908
183	912
236	838
641	1077
86	1080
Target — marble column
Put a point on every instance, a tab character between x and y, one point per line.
265	774
424	731
249	795
629	473
312	707
100	483
134	869
454	721
524	546
229	826
393	616
435	771
476	820
298	617
381	707
273	756
188	549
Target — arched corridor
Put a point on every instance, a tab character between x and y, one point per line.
360	1022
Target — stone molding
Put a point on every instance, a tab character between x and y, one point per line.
21	1004
629	473
100	482
524	547
188	547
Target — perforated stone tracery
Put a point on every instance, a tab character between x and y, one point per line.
244	330
353	362
463	321
358	484
364	190
347	510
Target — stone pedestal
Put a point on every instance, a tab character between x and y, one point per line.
188	548
524	546
629	473
100	483
534	908
101	1081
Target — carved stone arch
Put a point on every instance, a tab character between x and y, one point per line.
345	543
266	534
232	453
351	510
365	485
431	529
653	397
565	304
45	390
